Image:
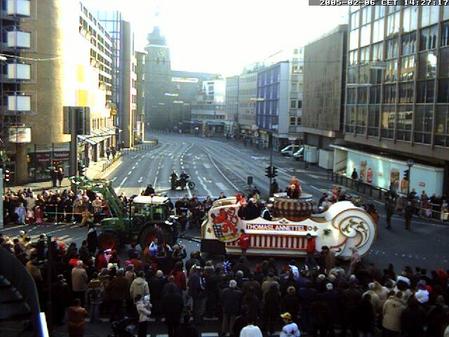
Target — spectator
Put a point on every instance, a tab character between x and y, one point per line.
143	308
290	329
79	281
76	315
172	305
392	312
231	299
139	286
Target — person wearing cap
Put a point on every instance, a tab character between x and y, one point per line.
290	329
231	298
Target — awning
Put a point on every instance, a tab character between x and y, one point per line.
213	123
97	135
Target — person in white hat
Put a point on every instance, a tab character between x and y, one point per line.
290	329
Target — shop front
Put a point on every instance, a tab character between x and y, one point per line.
386	172
42	158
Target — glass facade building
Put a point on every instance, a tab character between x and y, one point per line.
397	92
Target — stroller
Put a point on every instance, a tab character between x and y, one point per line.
125	327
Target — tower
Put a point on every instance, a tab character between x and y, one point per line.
158	88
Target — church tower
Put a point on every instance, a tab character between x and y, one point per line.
158	85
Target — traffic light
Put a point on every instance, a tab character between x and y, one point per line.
268	172
7	176
275	172
407	175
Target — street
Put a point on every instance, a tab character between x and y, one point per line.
223	166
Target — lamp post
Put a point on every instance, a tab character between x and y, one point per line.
410	163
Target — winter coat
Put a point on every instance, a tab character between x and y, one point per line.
413	321
75	321
172	305
392	311
143	310
118	289
138	287
231	300
79	279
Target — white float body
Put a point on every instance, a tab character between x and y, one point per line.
341	227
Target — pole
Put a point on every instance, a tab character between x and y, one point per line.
1	198
49	280
270	144
73	141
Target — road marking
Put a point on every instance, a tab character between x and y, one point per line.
204	186
221	173
113	179
129	173
221	186
207	166
189	192
123	181
140	180
155	180
314	176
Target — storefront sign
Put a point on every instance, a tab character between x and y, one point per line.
277	227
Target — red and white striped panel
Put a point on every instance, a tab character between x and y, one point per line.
274	242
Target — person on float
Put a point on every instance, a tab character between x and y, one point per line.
244	241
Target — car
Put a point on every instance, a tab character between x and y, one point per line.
289	150
299	155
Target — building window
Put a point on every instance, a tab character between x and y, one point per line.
378	52
374	94
350	118
442	125
366	14
365	37
373	120
406	92
298	121
429	15
444	62
425	92
393	23
410	19
354	39
427	65
428	38
353	75
392	48
355	20
409	44
443	91
299	104
423	124
292	121
390	93
378	30
407	68
387	121
362	95
364	55
391	71
379	12
405	120
444	41
445	12
293	104
362	112
351	99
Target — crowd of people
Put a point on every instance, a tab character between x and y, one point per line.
321	297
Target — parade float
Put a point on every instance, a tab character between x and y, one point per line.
341	227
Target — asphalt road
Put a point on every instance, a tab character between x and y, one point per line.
223	166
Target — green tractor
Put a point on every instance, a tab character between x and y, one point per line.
142	220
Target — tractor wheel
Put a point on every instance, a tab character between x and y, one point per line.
108	240
191	185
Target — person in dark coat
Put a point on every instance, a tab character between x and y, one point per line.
231	299
390	206
172	306
187	329
118	294
413	319
290	303
252	303
366	317
92	239
271	309
156	285
408	214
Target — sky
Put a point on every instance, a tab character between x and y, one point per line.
224	36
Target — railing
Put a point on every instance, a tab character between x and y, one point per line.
359	186
141	147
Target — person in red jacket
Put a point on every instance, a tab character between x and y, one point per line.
310	251
244	241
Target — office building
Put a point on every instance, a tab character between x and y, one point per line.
140	97
397	98
231	105
324	88
247	98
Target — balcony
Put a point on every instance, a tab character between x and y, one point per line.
18	8
18	39
17	71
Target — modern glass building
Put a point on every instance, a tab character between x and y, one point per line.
397	92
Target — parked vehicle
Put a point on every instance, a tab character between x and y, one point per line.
299	155
289	150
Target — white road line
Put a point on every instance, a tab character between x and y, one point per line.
155	180
316	188
140	180
189	192
204	186
221	186
123	181
113	179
